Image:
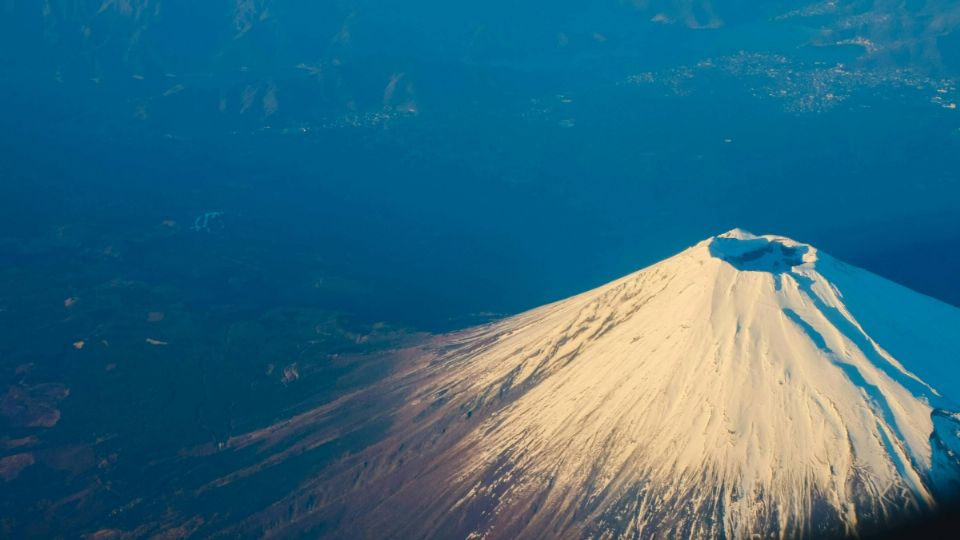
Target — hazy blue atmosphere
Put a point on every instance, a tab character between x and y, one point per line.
370	170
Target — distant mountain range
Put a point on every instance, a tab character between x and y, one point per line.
320	64
179	37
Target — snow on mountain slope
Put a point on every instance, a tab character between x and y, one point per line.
746	386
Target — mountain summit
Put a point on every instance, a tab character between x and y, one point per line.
750	385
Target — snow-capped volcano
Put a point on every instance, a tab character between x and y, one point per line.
746	386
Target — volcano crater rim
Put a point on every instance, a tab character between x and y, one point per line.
758	254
